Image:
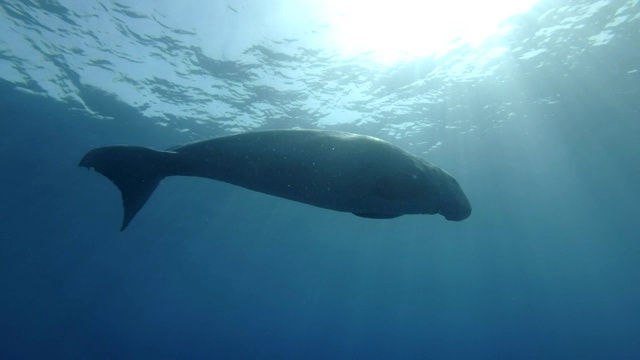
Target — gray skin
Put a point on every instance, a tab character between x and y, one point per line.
334	170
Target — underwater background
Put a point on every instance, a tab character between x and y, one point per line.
539	122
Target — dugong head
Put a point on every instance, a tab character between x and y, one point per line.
453	203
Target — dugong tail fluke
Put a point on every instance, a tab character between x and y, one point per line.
135	170
335	170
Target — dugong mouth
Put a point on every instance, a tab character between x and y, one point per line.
458	215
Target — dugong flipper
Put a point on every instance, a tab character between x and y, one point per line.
335	170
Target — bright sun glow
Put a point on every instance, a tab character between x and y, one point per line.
394	30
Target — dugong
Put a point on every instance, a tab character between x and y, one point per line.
341	171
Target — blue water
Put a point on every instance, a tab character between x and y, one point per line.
541	127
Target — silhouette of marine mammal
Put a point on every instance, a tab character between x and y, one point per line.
335	170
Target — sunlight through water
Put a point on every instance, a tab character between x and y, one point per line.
397	30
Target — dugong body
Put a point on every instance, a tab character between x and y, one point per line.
335	170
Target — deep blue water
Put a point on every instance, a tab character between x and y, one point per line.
543	134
